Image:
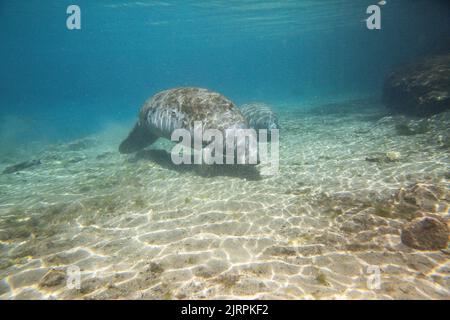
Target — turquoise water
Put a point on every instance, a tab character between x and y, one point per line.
72	81
352	174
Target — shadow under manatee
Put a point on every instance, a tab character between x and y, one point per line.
163	158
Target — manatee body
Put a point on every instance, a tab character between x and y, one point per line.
180	108
260	116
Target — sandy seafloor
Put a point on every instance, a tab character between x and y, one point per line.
139	228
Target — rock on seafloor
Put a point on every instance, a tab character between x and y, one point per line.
421	88
427	233
53	278
21	166
390	156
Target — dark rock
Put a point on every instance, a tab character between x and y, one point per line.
377	158
53	278
21	166
421	88
427	233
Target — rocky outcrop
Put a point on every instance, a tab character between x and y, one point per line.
421	88
427	233
423	197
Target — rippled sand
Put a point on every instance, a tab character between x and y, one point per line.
138	227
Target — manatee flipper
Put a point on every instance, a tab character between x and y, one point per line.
139	138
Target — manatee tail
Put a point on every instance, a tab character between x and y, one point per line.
139	138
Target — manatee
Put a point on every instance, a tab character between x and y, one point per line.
178	109
260	116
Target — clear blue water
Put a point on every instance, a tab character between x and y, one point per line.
353	185
63	84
